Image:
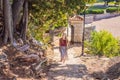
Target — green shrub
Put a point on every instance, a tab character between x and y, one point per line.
112	9
97	11
104	44
99	0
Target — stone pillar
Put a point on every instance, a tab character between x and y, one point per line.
76	23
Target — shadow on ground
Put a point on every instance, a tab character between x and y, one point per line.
112	73
67	71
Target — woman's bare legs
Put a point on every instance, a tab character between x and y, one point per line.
65	58
61	59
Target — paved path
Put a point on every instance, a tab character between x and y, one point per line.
111	24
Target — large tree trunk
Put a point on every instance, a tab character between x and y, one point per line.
6	35
1	18
8	21
16	10
1	4
24	20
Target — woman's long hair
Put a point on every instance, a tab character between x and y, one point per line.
64	36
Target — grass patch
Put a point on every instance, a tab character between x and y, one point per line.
111	3
99	1
97	7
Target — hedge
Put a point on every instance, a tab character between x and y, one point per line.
97	11
112	9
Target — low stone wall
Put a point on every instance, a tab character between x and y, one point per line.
103	16
91	17
88	29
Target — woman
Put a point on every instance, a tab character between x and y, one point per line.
63	43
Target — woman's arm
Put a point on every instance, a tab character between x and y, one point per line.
68	43
59	41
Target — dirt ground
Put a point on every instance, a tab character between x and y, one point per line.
87	67
83	68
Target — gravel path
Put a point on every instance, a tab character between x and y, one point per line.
70	70
87	67
111	24
76	68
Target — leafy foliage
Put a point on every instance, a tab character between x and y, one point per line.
116	2
108	1
104	44
49	14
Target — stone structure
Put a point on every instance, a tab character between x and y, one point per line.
76	28
88	29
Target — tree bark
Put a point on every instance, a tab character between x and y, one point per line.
24	20
16	10
1	4
8	21
1	18
6	35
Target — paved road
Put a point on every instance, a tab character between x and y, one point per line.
111	24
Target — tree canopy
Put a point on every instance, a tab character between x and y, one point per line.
46	14
37	17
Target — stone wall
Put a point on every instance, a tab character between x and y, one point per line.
88	29
90	17
77	33
103	16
